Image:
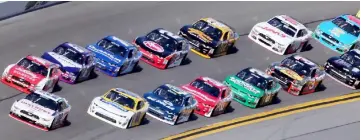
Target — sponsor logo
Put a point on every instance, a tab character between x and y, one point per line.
274	31
244	85
110	56
165	103
337	32
153	46
200	35
25	73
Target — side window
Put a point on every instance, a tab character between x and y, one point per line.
225	37
140	105
130	54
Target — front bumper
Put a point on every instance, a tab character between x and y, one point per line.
329	43
161	116
33	120
203	110
17	86
108	117
152	60
269	43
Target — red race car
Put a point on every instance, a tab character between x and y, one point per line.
162	49
213	97
32	73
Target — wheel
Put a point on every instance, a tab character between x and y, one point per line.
303	47
54	87
129	123
184	59
301	91
135	66
288	50
52	126
190	115
319	86
170	62
259	103
231	49
226	108
358	85
142	119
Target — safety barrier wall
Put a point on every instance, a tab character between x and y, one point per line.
10	9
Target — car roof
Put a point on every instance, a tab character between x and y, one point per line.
120	42
40	60
128	93
76	47
48	95
217	24
212	82
177	90
304	60
354	20
292	21
173	36
259	72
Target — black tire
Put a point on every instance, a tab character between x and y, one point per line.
135	66
303	47
190	115
56	85
258	105
184	59
129	123
301	91
318	88
288	50
176	120
170	62
142	119
52	126
226	108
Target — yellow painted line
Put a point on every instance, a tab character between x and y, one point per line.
276	113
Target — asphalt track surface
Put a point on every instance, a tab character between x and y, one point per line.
86	22
331	123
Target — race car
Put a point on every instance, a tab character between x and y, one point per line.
114	56
120	108
358	14
297	75
41	110
253	87
212	96
32	73
163	49
345	68
281	34
209	37
76	62
339	34
170	104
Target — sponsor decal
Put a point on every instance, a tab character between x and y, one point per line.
244	84
200	35
337	32
292	74
110	56
153	46
165	103
274	31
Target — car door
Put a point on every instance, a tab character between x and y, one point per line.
139	114
51	78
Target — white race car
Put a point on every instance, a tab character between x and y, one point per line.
41	110
281	35
120	108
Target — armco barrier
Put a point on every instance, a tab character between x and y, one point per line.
10	9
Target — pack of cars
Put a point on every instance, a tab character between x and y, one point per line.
207	37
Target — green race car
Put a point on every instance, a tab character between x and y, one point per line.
253	88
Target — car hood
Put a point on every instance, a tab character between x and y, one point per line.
34	108
112	107
200	96
199	36
331	29
340	64
64	62
105	55
26	74
244	87
152	47
161	104
290	73
274	33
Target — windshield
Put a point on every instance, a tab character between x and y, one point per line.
283	26
297	66
70	53
211	90
169	95
344	25
167	43
112	47
212	32
353	59
253	79
43	101
33	66
121	99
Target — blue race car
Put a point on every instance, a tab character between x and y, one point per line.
339	34
170	104
345	68
114	56
76	62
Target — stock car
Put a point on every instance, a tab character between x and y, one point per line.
339	34
253	88
162	49
114	56
209	37
76	62
297	75
120	108
345	68
212	96
170	104
41	110
32	73
281	34
358	14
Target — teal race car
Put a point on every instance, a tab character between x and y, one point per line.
253	88
339	34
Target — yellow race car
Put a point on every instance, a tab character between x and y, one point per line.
119	107
358	14
209	37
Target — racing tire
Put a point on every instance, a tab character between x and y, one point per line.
357	86
184	59
318	86
289	50
176	120
303	47
142	119
56	85
135	66
170	62
65	121
226	108
129	123
190	115
52	126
